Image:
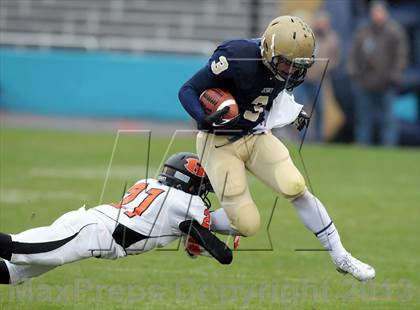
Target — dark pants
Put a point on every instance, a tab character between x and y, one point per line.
373	109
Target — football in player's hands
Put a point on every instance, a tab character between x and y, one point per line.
216	99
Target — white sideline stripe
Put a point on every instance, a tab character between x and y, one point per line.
119	172
13	195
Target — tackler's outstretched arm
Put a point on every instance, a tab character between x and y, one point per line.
217	248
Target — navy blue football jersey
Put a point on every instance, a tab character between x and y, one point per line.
235	66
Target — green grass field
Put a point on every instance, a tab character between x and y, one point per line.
371	193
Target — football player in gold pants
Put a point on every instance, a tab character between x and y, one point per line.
255	72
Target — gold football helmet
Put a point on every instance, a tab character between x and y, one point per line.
287	49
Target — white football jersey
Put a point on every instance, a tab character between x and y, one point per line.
155	210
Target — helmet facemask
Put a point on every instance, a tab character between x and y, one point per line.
292	72
204	189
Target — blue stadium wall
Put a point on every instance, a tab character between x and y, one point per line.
99	84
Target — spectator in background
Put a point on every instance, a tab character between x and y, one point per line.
327	47
376	64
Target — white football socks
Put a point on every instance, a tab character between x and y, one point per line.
220	223
314	216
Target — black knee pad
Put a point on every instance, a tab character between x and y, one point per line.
4	274
5	246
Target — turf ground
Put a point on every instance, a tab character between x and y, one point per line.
371	193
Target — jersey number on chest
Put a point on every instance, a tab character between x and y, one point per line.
258	107
149	196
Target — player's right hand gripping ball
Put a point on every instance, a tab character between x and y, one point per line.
220	107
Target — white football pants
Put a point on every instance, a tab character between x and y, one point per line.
74	236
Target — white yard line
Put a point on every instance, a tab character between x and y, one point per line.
92	173
14	196
85	124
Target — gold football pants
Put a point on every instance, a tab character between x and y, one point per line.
226	164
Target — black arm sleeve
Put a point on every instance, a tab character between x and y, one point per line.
217	248
190	92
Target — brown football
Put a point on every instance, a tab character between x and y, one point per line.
214	99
